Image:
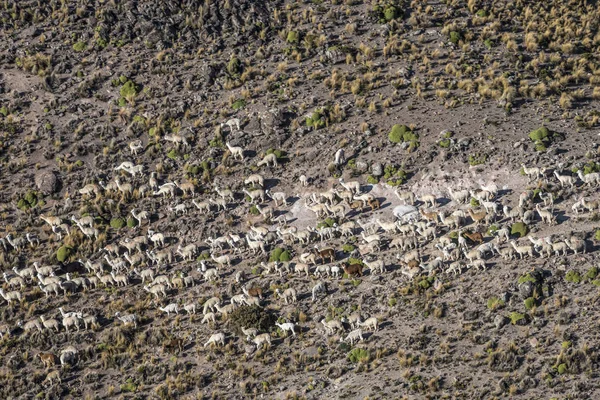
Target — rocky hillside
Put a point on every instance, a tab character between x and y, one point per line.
190	155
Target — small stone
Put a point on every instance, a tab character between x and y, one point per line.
377	169
470	315
500	321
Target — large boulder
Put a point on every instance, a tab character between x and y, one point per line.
47	182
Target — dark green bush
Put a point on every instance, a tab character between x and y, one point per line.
519	228
348	248
591	274
30	200
63	253
455	37
128	90
117	223
238	104
251	317
327	222
79	46
529	303
317	120
234	66
279	254
359	355
573	277
526	278
285	256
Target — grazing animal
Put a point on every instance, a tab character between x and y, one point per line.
353	269
216	339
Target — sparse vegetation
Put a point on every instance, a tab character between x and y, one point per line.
111	110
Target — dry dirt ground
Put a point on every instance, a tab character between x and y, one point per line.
81	80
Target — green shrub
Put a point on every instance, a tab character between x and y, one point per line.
562	369
173	154
526	278
482	13
372	180
292	37
424	283
492	230
117	223
392	301
278	153
4	111
316	120
348	248
444	143
279	254
519	228
234	66
401	133
63	253
573	277
128	91
327	222
474	202
30	200
542	138
359	355
494	303
79	46
132	222
477	159
386	13
275	253
515	317
591	274
285	256
394	176
238	104
455	37
591	167
540	135
251	317
253	210
540	147
529	303
597	235
352	260
129	386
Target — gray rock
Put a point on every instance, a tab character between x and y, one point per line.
47	182
361	166
564	318
249	349
539	322
500	321
526	290
470	315
377	169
